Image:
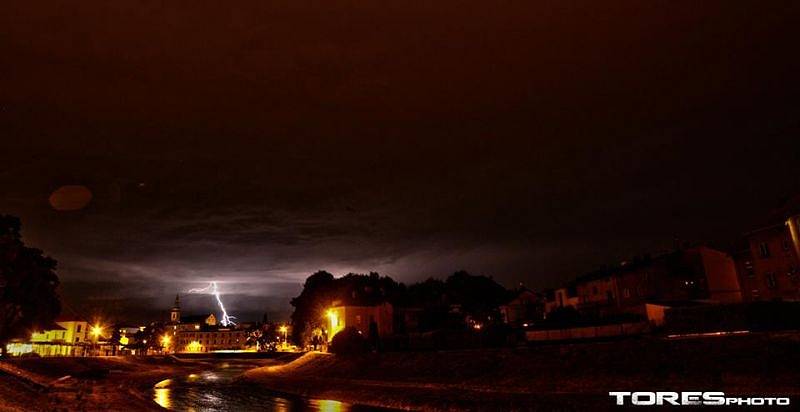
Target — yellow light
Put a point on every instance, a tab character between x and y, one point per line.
17	349
193	346
165	340
97	330
334	318
336	325
329	406
123	340
283	329
163	397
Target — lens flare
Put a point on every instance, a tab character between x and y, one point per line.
213	290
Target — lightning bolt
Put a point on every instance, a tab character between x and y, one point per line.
212	289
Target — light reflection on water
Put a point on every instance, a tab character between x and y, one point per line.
216	390
163	397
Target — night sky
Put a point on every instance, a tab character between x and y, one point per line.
256	142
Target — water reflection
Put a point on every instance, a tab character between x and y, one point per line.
217	390
163	397
327	405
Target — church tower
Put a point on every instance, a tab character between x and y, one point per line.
175	312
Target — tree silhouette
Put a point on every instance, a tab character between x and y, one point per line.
28	282
321	290
114	340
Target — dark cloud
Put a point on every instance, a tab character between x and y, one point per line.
258	142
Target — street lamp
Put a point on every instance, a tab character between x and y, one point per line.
96	331
285	330
165	341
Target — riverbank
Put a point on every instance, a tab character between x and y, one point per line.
556	376
89	384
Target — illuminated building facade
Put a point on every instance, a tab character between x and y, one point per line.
68	336
202	333
380	317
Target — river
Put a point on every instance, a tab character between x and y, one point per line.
217	389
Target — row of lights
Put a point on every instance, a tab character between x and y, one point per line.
166	340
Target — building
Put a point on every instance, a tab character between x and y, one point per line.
560	298
768	265
524	308
211	339
379	318
699	273
201	333
67	336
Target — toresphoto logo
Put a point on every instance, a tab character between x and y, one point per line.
693	399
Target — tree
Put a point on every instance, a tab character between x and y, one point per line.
263	336
321	290
149	338
311	304
114	341
349	342
28	282
478	296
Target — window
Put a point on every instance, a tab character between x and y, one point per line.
79	328
771	283
358	319
77	339
763	249
626	292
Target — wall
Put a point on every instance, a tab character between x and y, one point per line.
722	281
589	332
777	276
360	318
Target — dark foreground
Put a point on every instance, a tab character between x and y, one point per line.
549	377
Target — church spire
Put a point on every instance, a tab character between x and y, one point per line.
175	312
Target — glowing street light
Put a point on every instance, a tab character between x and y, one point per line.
285	330
336	324
97	330
165	341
